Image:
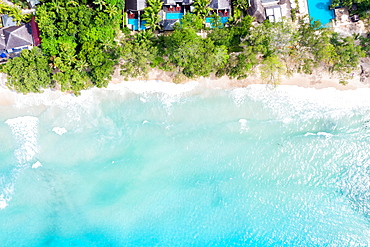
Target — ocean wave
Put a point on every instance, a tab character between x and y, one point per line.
25	131
289	101
327	135
296	97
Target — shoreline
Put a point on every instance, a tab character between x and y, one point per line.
318	80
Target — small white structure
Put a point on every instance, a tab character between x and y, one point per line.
274	13
268	3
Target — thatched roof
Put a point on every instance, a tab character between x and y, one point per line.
257	10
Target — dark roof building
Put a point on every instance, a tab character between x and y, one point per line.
175	2
220	4
169	2
135	5
187	2
168	25
16	37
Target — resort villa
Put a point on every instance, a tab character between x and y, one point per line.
134	9
15	38
172	12
273	10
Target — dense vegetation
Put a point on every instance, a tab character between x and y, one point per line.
29	73
79	48
78	42
276	49
78	37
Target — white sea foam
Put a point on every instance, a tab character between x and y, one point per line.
289	101
143	87
243	125
36	165
167	92
325	134
60	131
24	130
7	192
170	92
143	99
3	203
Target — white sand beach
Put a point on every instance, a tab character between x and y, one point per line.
319	79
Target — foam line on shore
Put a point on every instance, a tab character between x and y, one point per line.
168	93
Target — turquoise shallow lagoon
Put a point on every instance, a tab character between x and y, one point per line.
155	164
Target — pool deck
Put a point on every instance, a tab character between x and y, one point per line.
302	7
341	22
345	26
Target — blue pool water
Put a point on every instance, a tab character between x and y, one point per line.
319	10
159	164
174	16
223	20
135	24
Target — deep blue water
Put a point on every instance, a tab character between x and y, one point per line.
151	164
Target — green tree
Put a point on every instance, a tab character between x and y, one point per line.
100	4
151	16
28	73
271	70
201	8
138	55
193	55
79	41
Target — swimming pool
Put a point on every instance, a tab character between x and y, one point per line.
174	16
135	24
319	10
223	20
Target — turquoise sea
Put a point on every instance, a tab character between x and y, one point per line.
156	164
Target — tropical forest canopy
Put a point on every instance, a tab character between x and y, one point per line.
276	48
78	41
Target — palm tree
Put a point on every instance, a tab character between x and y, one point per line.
201	8
143	37
56	5
240	8
81	65
73	3
156	5
16	13
241	4
151	16
111	10
100	3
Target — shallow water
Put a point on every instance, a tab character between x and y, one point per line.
153	164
